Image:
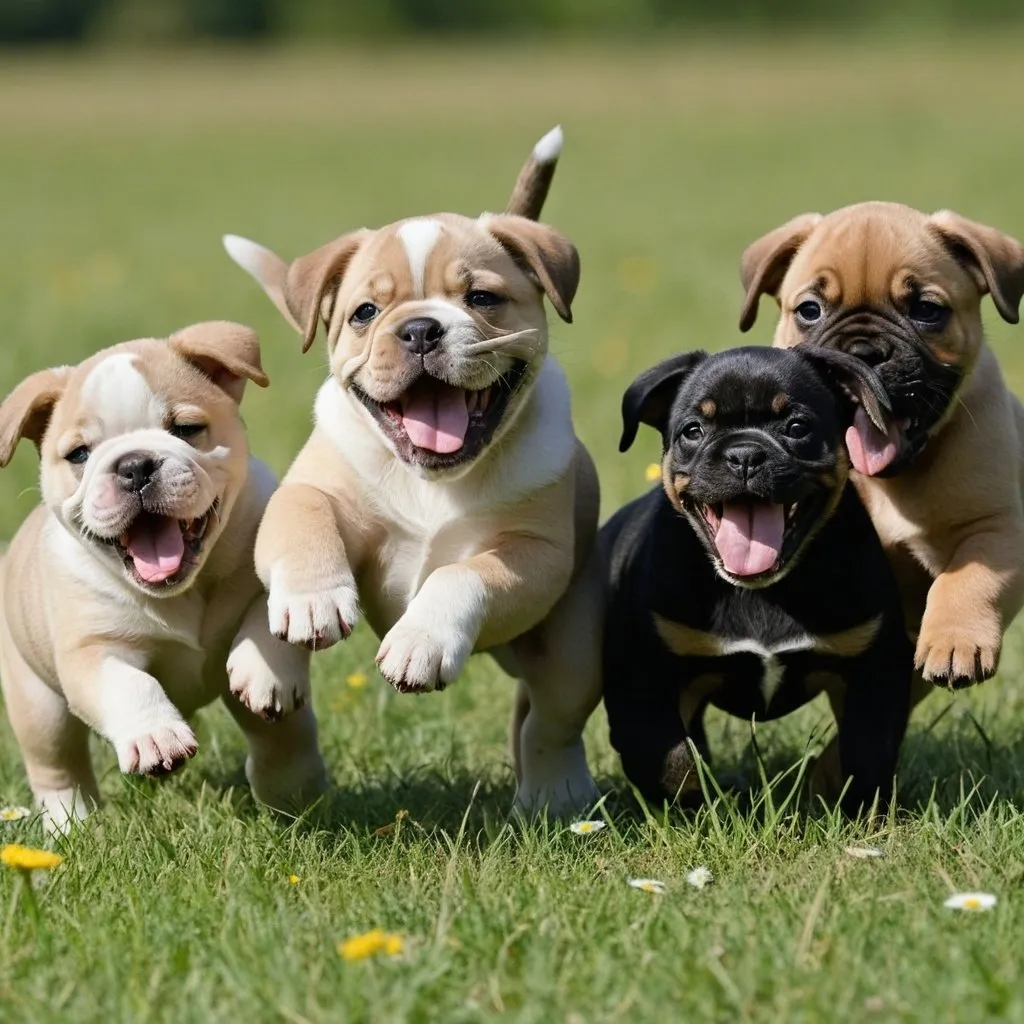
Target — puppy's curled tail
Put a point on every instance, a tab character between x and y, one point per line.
534	181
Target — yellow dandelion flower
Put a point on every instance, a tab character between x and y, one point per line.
359	947
294	879
651	885
652	473
585	828
970	901
357	680
14	813
28	859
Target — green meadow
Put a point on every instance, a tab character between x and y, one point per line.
182	901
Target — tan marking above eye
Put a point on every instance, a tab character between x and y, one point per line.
708	408
382	289
779	402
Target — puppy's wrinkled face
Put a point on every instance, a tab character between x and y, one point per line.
142	460
753	448
436	331
897	288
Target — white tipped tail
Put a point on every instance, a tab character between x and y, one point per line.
549	148
534	181
268	269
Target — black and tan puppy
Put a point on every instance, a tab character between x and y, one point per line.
753	579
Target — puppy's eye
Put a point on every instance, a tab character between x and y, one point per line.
484	300
797	429
186	430
808	312
77	455
364	314
693	431
928	314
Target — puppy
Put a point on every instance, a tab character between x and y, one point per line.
752	579
128	597
902	290
443	492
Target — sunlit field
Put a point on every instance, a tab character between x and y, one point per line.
183	901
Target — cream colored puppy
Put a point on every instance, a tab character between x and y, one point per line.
128	596
443	492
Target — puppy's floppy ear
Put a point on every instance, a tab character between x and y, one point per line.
27	409
228	353
764	263
298	288
544	253
995	260
534	181
649	398
849	376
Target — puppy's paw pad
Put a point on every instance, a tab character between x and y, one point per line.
313	619
953	659
418	658
158	751
258	686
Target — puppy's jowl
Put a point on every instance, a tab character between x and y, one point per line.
902	290
752	580
129	598
443	492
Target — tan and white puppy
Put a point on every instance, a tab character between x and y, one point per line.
443	492
902	289
128	598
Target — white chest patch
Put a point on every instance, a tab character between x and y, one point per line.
419	237
121	397
773	669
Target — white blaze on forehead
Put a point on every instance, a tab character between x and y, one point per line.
120	397
419	238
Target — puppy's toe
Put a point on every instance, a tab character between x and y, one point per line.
419	657
262	690
158	751
956	661
315	619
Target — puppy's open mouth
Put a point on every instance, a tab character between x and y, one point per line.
754	539
437	425
160	551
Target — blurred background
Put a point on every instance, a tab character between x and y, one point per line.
133	135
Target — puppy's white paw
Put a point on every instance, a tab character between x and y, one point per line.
315	619
158	751
261	686
420	654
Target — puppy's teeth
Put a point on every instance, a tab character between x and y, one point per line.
485	399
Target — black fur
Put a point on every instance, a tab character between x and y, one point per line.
831	576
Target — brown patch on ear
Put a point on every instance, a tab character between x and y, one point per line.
708	408
228	353
764	263
995	260
311	276
780	401
544	253
26	411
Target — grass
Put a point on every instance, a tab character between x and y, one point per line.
118	177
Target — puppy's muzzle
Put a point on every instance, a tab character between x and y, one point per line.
746	460
421	335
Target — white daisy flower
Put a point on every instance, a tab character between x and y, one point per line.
971	901
14	813
699	877
863	852
584	828
651	885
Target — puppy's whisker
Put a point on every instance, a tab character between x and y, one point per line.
522	344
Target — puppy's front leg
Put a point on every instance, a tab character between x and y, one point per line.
480	603
107	687
268	675
301	560
970	604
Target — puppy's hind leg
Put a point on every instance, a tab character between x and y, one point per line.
560	663
285	768
54	744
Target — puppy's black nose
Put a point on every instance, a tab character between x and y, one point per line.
872	352
135	470
421	335
744	459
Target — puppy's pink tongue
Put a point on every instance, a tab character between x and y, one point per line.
871	450
749	537
156	546
435	416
